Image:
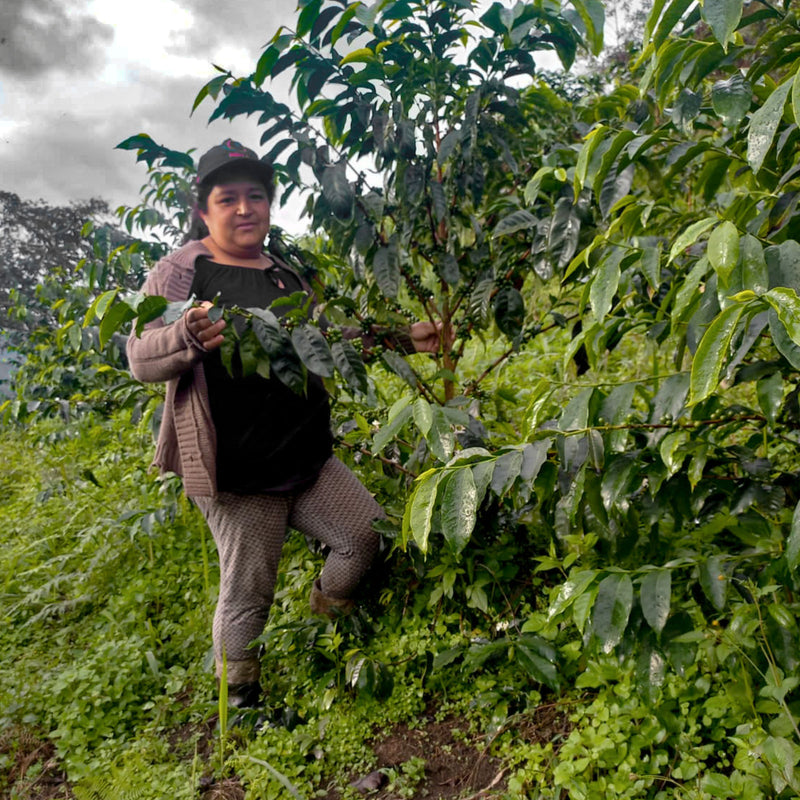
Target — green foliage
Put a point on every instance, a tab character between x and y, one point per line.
68	362
591	491
93	592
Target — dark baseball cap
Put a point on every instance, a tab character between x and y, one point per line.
231	152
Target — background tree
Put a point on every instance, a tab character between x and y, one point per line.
38	240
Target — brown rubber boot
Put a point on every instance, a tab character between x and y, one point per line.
329	606
244	695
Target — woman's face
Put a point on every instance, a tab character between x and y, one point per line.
237	217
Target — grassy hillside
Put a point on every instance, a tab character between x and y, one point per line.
108	588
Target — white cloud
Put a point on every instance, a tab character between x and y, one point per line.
139	44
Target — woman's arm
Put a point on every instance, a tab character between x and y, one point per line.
419	337
163	352
427	337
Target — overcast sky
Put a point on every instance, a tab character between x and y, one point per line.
79	76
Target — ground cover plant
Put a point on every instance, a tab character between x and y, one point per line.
589	581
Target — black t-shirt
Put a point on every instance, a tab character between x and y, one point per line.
269	439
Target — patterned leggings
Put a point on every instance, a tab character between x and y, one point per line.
249	531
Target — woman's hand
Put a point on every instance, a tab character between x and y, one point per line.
426	337
208	333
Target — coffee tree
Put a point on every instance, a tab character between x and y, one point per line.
58	260
683	469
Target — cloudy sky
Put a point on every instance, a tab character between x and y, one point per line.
79	76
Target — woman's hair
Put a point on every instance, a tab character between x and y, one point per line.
226	174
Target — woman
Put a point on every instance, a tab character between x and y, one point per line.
254	456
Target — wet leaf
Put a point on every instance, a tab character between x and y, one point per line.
420	508
731	100
337	191
459	505
783	264
423	415
287	367
614	410
397	364
612	609
573	588
723	250
793	541
685	109
770	396
593	15
115	317
605	284
534	457
362	55
226	353
99	306
215	313
516	221
268	330
755	275
723	17
662	24
764	124
691	235
713	351
448	143
350	366
650	668
671	450
656	594
313	349
439	201
440	437
714	581
782	341
596	450
538	658
506	471
449	270
591	142
249	352
413	184
386	268
392	427
616	478
509	311
651	265
786	304
365	237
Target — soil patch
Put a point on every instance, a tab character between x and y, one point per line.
229	789
547	723
449	764
199	737
33	769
